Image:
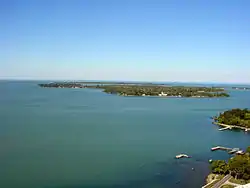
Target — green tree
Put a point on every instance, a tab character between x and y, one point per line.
219	167
248	149
237	165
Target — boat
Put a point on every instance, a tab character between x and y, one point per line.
182	156
240	152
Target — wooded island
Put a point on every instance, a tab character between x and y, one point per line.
235	117
143	89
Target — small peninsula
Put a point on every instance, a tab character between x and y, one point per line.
143	89
235	118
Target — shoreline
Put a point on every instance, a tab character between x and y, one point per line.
162	96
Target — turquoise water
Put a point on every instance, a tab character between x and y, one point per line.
84	138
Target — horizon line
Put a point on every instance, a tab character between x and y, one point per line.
103	80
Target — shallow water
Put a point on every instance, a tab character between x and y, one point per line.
63	138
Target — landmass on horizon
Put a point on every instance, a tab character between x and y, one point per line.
144	89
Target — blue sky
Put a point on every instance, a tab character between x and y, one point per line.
156	40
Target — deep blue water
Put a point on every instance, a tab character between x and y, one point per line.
84	138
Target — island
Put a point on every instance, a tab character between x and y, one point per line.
144	89
235	118
163	91
234	172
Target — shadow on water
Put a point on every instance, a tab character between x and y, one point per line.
188	173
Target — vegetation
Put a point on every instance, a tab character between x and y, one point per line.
145	89
235	117
248	149
238	166
219	167
119	83
174	91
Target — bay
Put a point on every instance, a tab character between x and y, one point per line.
63	138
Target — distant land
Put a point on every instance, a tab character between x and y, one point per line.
241	88
144	89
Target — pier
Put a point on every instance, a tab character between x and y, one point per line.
231	127
220	148
229	150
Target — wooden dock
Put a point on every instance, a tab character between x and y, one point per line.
231	126
220	148
229	150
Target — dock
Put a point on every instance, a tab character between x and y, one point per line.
231	126
220	148
229	150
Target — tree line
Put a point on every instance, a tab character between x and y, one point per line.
155	90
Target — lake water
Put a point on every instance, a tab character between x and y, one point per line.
84	138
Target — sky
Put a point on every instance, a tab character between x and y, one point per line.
140	40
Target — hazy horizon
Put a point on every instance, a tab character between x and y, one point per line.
130	81
143	40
